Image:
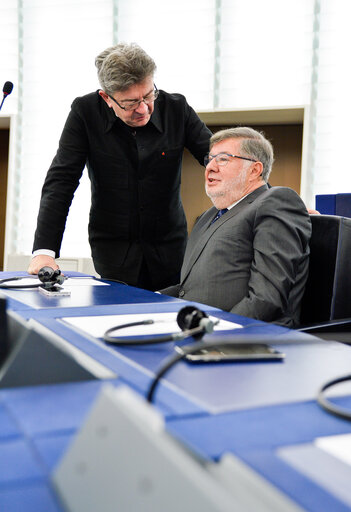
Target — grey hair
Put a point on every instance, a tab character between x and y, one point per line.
122	66
254	145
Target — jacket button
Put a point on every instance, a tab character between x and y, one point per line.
181	293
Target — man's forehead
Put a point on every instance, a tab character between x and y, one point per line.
142	88
227	145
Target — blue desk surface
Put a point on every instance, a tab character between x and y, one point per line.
217	388
250	409
81	296
261	436
36	427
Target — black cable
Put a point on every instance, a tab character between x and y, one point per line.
112	280
17	286
328	405
196	331
188	349
48	279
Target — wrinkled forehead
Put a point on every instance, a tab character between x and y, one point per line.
143	87
231	145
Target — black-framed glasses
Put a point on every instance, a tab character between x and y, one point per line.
134	104
223	158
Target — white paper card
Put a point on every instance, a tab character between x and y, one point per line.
338	446
164	323
82	281
70	282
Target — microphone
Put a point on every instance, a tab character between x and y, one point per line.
49	277
7	89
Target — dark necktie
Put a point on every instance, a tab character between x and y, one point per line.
219	214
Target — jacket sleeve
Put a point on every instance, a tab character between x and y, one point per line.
172	291
61	182
197	135
281	233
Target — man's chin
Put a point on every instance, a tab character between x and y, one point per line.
215	198
140	122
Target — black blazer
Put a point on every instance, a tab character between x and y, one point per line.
136	210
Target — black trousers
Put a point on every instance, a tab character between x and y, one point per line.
134	270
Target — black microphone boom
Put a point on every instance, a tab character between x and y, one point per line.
7	89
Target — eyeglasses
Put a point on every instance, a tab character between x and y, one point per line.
223	158
134	104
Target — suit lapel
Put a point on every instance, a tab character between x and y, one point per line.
204	231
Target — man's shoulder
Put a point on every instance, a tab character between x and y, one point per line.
281	201
282	193
171	96
92	108
87	100
173	100
278	190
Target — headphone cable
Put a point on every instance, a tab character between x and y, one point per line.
173	359
17	286
327	405
178	336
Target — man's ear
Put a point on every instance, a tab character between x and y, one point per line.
105	97
256	171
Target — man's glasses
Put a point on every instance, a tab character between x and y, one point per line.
134	104
223	158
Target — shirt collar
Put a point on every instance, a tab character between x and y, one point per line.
156	116
236	202
264	186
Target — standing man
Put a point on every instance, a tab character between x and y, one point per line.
249	253
131	137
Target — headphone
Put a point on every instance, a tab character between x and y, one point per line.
48	278
191	320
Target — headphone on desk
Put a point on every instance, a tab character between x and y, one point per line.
48	278
191	320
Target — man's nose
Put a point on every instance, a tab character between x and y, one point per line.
212	165
142	108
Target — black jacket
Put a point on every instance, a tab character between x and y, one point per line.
136	211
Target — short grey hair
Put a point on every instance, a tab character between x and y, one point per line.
122	66
254	145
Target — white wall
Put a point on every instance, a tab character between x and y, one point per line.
226	54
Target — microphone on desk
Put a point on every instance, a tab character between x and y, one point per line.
48	278
191	320
7	89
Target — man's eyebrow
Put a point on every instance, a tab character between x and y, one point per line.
134	99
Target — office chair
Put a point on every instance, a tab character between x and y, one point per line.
326	304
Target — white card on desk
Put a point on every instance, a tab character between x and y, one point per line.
163	323
339	446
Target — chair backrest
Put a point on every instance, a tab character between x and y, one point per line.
328	289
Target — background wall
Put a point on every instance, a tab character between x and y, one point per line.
226	56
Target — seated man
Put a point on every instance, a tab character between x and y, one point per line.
251	256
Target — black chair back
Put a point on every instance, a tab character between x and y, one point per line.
328	290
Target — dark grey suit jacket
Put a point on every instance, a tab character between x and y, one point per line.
253	261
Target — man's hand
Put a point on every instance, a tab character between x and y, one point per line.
41	261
